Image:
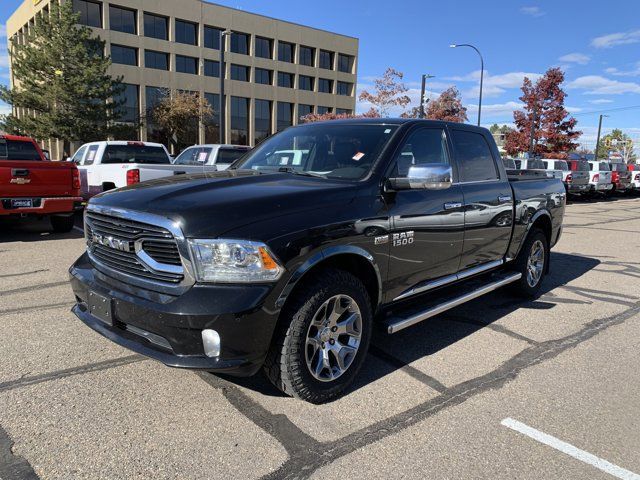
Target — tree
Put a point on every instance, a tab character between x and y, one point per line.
323	117
178	114
617	143
389	92
553	128
61	80
447	107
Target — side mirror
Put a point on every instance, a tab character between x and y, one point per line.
436	176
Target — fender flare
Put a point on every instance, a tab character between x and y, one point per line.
532	220
319	257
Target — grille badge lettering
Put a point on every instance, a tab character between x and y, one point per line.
110	242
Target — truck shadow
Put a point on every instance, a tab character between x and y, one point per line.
30	230
389	353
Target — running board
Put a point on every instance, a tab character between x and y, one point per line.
397	323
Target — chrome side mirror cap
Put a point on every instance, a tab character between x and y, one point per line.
436	176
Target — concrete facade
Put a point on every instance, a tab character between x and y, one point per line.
240	93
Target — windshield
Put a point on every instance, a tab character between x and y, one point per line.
329	150
135	154
227	156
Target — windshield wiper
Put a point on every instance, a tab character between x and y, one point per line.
302	173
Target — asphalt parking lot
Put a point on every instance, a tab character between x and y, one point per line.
497	388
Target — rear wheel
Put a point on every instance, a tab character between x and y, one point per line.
62	224
323	338
532	262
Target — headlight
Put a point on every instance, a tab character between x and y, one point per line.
234	261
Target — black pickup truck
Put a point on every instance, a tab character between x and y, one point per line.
287	260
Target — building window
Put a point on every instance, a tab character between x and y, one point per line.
124	55
157	60
307	55
326	60
304	110
323	110
90	13
345	63
122	20
285	52
186	32
285	115
156	26
343	111
211	68
263	76
186	64
305	82
263	47
344	88
240	43
212	37
239	121
154	95
262	120
212	123
239	72
285	79
130	104
325	85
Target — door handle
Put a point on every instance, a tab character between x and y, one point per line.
19	172
452	205
504	198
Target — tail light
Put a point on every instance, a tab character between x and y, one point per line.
569	178
615	177
596	177
133	176
75	179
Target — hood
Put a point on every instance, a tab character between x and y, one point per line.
210	204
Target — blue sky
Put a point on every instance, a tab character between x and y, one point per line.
596	43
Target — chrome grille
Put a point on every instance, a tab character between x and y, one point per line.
136	242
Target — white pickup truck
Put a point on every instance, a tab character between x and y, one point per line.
114	164
214	156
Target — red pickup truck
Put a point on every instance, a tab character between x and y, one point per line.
31	185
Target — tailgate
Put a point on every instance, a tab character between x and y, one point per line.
150	172
579	177
35	179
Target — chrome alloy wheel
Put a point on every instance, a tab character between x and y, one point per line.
333	338
535	263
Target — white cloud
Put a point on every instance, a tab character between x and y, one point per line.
494	85
633	72
600	101
579	58
4	109
613	39
497	109
3	31
598	85
532	11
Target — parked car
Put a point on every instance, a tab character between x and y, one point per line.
31	185
635	176
212	155
600	176
509	163
575	182
293	265
620	177
114	164
538	164
580	174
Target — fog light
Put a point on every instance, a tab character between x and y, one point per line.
211	343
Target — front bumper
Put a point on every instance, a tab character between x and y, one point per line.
169	329
43	206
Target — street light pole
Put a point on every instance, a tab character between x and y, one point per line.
595	154
481	73
222	102
425	76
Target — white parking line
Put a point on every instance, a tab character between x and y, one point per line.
569	449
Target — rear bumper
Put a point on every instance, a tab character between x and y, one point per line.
603	187
169	329
572	188
43	206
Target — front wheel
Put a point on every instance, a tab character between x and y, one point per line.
323	337
532	262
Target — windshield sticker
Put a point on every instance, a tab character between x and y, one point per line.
388	130
202	157
358	156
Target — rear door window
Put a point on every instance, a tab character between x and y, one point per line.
18	150
475	160
135	154
227	156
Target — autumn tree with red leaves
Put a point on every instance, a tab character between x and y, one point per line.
389	92
553	128
321	117
447	107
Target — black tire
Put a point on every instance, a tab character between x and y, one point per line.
524	286
62	224
286	363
